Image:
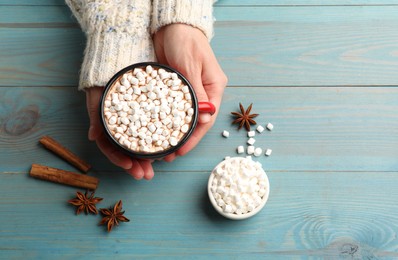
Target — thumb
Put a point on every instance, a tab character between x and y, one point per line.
196	81
93	96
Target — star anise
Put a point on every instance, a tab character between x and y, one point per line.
113	216
244	118
85	203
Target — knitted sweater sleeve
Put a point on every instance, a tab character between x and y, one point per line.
118	34
197	13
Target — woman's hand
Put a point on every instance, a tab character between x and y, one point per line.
137	168
187	49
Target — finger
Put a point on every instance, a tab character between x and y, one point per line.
148	170
113	154
194	77
215	93
136	170
170	157
214	80
141	169
93	96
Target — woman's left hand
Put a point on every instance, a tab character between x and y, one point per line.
187	49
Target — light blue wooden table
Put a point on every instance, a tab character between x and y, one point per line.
324	72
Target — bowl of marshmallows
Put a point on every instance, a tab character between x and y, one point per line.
149	110
238	188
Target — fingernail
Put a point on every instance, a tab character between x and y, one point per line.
128	166
148	178
138	177
204	118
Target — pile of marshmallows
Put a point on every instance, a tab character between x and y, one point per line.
239	185
148	109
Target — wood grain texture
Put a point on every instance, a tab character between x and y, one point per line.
316	129
308	215
308	46
323	72
304	2
283	46
37	57
31	2
233	2
29	16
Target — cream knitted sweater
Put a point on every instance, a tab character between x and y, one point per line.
119	32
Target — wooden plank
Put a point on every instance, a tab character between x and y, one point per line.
36	15
304	2
233	2
307	46
320	15
31	2
316	129
308	215
38	56
284	14
283	47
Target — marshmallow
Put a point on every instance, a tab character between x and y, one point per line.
225	133
240	149
251	141
184	128
260	129
173	141
251	134
258	151
112	120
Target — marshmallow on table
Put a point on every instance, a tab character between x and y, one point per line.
268	152
270	126
260	129
258	151
251	134
251	141
225	133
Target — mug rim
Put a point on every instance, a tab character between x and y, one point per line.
149	155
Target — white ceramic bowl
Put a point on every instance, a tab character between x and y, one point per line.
235	216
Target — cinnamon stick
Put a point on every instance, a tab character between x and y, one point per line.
64	153
64	177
